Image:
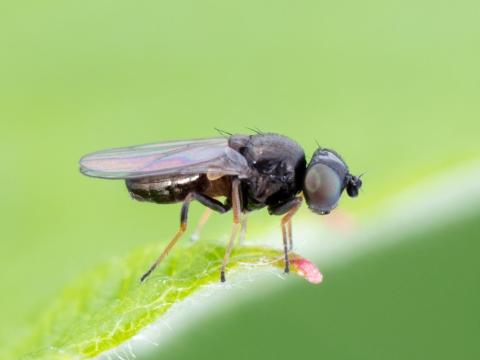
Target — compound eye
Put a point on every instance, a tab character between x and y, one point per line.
322	187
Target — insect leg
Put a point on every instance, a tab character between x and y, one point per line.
201	223
290	237
289	225
236	223
243	229
183	227
211	204
286	233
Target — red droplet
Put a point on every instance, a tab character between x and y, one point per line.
307	270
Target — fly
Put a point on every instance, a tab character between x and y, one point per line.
250	171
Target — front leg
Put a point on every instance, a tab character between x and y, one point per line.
289	209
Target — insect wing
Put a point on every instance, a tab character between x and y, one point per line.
210	156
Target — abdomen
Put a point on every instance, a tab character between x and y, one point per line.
171	189
164	189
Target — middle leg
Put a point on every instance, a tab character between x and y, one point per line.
236	205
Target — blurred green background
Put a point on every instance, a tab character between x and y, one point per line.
393	86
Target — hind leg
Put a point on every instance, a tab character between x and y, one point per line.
243	228
205	200
200	225
212	205
178	235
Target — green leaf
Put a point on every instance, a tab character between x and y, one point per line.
109	305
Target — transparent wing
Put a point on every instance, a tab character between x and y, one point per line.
209	156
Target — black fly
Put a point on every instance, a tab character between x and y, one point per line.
250	171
